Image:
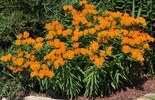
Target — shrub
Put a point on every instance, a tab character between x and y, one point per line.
87	51
31	15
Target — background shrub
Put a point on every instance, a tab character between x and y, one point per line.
31	15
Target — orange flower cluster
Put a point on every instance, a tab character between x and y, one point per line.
135	42
21	60
95	38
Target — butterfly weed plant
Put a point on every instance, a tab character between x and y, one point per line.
87	52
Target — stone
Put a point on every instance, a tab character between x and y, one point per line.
37	98
4	99
142	98
149	96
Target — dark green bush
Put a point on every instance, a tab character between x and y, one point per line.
17	16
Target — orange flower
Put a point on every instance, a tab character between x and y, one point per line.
125	32
75	22
39	39
56	64
49	62
137	54
89	24
28	56
97	27
68	55
11	68
49	43
17	69
59	27
141	20
84	51
116	14
38	46
6	58
75	45
126	49
13	58
20	53
35	66
49	26
125	40
85	32
18	42
127	21
60	61
19	36
113	24
69	7
50	35
19	61
94	46
109	51
57	43
94	18
33	74
25	35
98	61
146	46
66	32
41	73
84	20
27	64
92	30
32	58
78	33
102	39
103	22
61	50
30	41
44	67
77	51
50	74
83	2
108	12
102	53
59	31
75	38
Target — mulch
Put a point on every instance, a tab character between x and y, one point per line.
141	86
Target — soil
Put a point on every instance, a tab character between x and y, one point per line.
141	86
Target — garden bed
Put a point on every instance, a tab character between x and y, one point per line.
139	88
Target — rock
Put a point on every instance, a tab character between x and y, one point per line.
142	98
149	96
4	99
37	98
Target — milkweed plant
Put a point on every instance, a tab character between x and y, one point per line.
87	52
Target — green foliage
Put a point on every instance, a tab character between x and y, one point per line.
92	79
9	84
136	8
16	16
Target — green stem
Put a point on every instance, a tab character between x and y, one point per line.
140	9
133	8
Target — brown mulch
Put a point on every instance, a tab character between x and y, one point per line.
140	87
